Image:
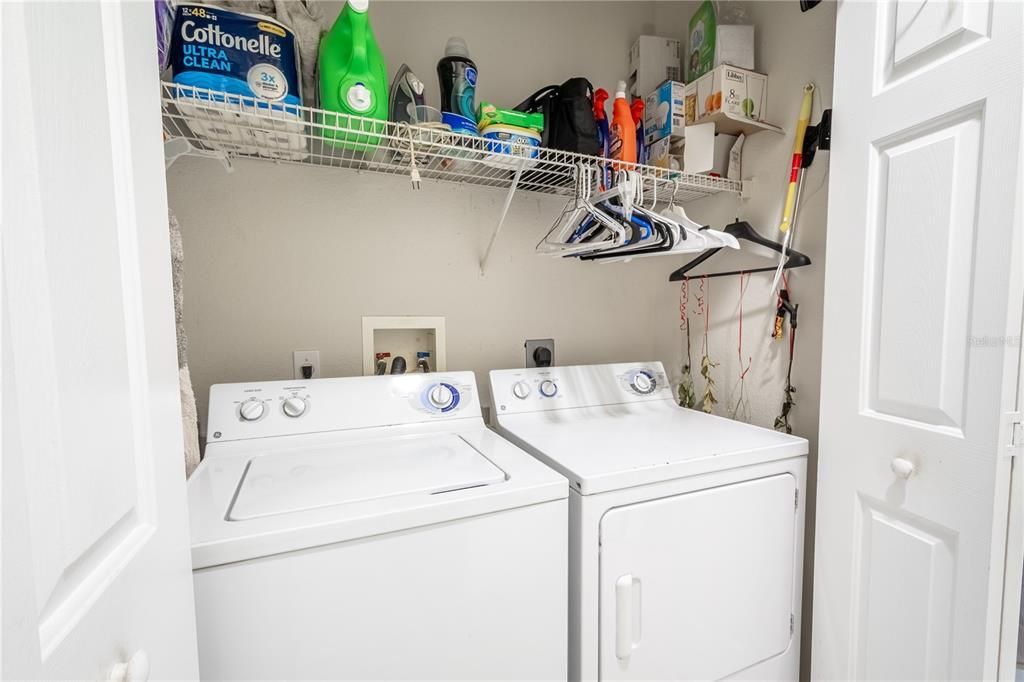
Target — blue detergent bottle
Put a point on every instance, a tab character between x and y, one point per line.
456	74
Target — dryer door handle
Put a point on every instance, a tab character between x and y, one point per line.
627	615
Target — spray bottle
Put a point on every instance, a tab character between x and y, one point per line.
623	130
601	116
636	109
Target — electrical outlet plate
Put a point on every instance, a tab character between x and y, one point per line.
301	358
533	344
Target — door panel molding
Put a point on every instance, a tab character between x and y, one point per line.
922	224
905	559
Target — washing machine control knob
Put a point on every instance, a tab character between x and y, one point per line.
251	410
548	388
293	406
441	396
642	383
521	390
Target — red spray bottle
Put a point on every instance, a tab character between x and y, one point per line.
600	97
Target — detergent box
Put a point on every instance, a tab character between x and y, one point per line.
652	60
712	44
700	52
737	92
664	113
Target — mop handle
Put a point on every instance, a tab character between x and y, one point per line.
798	146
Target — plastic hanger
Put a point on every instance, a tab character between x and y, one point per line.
589	228
741	230
712	238
667	234
555	242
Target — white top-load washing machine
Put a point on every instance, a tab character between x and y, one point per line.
685	529
374	528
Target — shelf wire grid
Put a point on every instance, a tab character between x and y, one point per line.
237	126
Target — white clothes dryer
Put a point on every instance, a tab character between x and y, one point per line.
685	529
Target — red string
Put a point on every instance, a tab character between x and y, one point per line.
684	295
704	307
739	352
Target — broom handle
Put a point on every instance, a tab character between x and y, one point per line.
798	146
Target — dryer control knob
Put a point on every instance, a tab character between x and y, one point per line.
441	397
521	390
548	388
251	410
642	383
293	406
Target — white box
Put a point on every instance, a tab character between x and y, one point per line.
734	45
706	151
652	60
665	153
664	112
737	92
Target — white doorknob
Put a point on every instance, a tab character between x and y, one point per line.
903	468
135	670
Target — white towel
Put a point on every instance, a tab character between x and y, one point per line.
189	416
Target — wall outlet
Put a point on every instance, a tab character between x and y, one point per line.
540	352
305	358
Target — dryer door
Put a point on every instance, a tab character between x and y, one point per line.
700	585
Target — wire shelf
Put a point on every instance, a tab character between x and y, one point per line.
229	126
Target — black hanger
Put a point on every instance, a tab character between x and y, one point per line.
744	231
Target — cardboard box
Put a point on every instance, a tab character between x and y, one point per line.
663	112
738	92
665	153
652	60
700	48
734	45
706	151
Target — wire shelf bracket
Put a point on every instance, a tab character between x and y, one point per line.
177	147
501	220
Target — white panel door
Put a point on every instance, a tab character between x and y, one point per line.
922	306
699	586
96	567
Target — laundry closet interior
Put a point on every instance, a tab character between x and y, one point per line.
509	346
286	255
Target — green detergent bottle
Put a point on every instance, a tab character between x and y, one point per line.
353	79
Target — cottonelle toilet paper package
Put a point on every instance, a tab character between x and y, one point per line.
250	64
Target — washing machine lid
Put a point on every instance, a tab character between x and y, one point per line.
260	497
290	481
611	447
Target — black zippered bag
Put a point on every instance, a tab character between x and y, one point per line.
568	110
